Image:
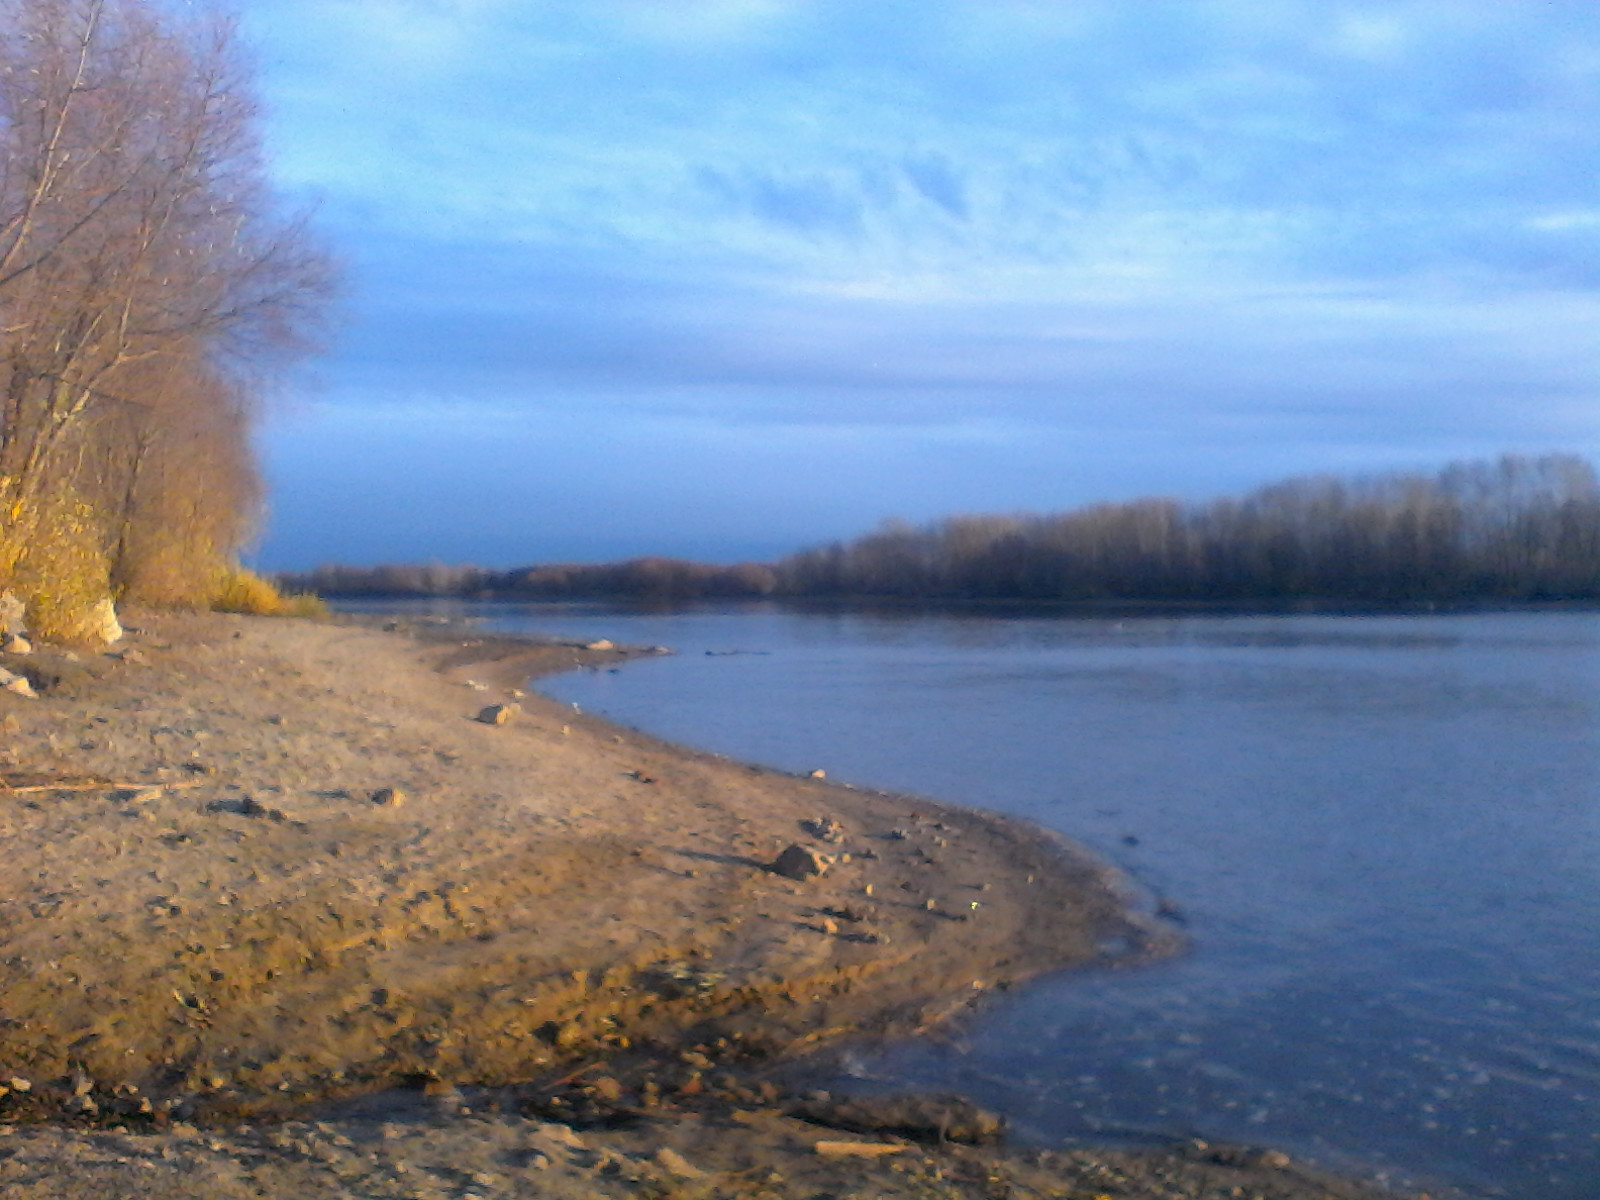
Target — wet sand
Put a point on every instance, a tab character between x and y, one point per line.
281	916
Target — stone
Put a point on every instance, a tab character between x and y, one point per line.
103	624
1228	1155
941	1118
673	1163
602	644
824	829
15	643
498	714
561	1135
83	1106
17	685
389	797
819	773
800	862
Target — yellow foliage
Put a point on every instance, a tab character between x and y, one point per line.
62	571
240	590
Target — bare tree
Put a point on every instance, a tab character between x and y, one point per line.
146	278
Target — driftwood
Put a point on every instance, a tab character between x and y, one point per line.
97	785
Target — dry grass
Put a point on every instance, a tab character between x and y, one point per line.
240	590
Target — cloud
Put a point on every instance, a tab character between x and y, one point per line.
1024	228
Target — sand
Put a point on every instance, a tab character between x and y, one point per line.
280	915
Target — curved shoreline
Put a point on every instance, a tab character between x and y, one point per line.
574	917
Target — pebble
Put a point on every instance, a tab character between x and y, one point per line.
389	797
498	714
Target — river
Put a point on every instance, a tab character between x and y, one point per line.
1382	834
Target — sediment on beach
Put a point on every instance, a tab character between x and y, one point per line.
259	867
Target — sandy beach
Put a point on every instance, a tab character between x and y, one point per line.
285	913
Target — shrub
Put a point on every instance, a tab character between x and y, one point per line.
62	573
304	604
240	590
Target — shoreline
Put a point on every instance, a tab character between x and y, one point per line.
563	924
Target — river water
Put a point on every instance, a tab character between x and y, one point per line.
1382	834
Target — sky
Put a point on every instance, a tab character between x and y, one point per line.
725	278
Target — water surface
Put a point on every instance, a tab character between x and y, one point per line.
1383	834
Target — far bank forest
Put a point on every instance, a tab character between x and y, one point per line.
1510	530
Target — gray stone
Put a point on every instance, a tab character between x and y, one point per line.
800	862
499	714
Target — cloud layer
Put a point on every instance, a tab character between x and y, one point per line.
1160	247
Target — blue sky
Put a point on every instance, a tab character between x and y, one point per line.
720	278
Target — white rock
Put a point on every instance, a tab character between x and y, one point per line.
17	685
104	625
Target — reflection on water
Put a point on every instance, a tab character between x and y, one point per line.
1383	833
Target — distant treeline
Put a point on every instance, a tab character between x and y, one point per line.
653	579
1524	529
1512	529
